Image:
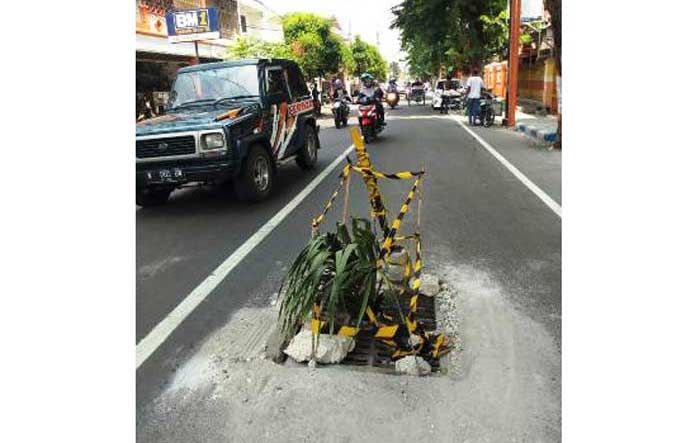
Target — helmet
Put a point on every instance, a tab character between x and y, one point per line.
337	83
367	78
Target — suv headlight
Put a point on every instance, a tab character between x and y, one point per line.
214	140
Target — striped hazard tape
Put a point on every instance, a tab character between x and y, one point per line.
396	224
343	176
406	336
404	175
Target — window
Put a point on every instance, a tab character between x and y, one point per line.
213	84
296	82
276	83
244	25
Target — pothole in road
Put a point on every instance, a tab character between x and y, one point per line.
502	382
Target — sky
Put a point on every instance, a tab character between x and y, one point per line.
363	17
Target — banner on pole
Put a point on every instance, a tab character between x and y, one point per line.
192	25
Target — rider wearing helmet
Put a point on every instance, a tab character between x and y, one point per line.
339	90
393	87
371	91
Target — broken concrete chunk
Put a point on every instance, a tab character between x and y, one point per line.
412	365
396	265
429	285
330	348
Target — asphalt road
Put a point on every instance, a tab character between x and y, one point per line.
475	211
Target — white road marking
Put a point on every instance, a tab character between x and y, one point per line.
554	206
160	333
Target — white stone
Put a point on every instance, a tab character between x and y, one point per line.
330	348
429	285
412	365
414	339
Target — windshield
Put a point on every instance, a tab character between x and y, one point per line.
454	84
210	85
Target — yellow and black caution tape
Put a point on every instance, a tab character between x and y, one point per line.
417	265
427	344
403	175
375	198
343	176
396	224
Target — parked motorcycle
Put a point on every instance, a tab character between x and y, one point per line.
368	119
486	110
341	111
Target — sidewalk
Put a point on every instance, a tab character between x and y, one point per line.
541	128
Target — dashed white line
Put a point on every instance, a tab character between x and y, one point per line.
160	333
554	206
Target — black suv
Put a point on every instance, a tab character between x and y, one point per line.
225	121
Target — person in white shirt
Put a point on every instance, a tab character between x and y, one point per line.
474	86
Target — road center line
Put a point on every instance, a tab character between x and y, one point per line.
160	333
554	206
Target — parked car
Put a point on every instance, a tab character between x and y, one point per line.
237	120
456	90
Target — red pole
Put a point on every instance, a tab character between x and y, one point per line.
513	59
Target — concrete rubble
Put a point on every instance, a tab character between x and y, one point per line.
412	365
429	285
330	348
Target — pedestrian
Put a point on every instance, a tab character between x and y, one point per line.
474	86
317	102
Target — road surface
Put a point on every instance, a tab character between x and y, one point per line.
484	228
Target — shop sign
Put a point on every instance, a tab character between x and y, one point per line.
192	25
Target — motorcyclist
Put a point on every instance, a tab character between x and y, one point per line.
339	91
393	87
372	92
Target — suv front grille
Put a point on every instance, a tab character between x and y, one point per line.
165	147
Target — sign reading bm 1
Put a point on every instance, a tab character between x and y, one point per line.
192	25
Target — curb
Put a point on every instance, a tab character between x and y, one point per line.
548	135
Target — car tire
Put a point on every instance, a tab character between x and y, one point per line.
152	197
256	179
308	156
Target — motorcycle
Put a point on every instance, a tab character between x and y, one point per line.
487	109
368	119
392	98
341	111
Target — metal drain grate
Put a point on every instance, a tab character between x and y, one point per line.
372	352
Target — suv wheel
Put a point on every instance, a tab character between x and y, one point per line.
309	152
255	182
152	197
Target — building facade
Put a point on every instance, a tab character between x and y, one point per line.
157	60
257	20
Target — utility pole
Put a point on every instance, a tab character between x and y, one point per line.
513	60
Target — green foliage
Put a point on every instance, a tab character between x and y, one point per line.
249	46
448	33
312	43
335	270
496	33
368	59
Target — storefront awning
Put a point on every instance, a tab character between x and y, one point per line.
215	49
